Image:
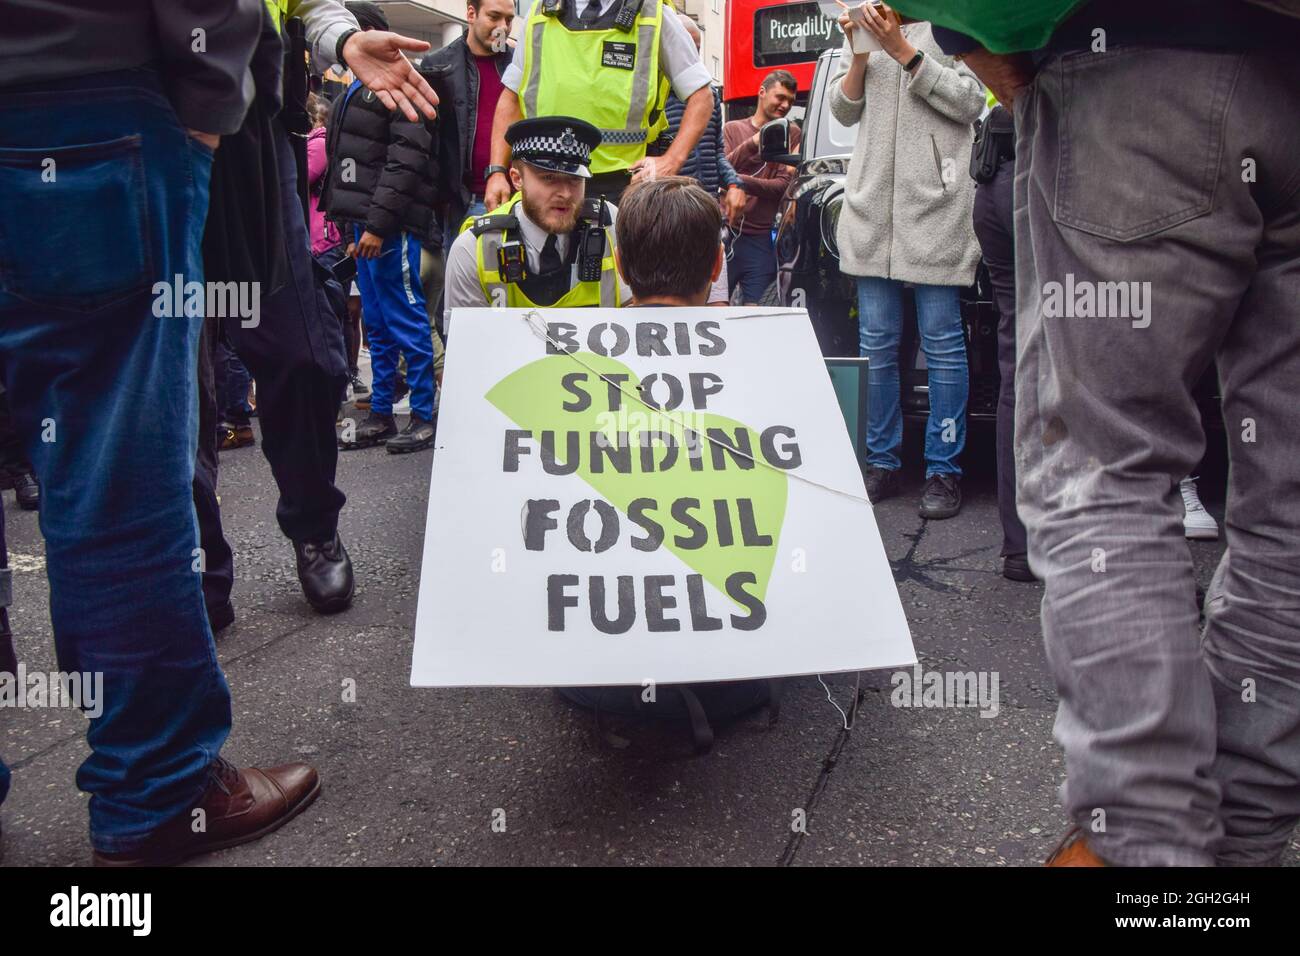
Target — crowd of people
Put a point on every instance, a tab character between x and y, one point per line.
487	174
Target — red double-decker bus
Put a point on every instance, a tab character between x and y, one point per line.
765	35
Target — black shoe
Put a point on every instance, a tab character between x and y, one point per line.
882	483
1015	567
941	497
325	573
418	434
221	617
27	490
358	387
375	430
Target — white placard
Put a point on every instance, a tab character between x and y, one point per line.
759	568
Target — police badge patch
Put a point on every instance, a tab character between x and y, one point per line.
621	56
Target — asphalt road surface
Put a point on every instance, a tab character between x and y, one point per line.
418	777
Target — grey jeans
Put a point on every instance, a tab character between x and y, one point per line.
1158	227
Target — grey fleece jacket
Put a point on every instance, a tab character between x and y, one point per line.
908	195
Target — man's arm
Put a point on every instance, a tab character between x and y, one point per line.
498	188
745	149
210	91
699	107
690	78
1006	74
461	288
734	196
374	56
778	175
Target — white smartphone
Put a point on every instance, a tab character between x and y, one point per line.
864	41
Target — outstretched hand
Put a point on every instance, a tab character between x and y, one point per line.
375	58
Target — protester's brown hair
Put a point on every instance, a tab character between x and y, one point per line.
668	232
780	78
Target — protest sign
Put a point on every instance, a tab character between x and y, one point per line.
579	536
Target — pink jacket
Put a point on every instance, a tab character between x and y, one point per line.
324	234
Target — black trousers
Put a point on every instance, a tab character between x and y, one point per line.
295	354
218	559
995	231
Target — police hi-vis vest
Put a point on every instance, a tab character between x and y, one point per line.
607	75
499	226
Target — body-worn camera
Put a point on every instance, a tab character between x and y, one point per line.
512	262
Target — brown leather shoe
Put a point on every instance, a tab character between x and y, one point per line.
1073	851
240	806
237	436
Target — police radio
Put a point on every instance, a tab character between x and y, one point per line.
627	12
591	239
511	262
552	8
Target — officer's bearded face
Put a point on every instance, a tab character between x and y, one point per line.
552	200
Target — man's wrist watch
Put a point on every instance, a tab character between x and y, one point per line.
338	47
493	170
915	61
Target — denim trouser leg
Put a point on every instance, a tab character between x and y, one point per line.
1166	753
84	349
880	329
938	319
752	266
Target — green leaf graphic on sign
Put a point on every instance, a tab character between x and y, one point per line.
533	397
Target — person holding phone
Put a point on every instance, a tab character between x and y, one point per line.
907	218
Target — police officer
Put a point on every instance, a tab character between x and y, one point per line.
609	62
550	244
295	349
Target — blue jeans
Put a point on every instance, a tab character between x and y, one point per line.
83	349
392	301
752	266
880	328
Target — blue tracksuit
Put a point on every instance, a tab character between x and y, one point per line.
397	323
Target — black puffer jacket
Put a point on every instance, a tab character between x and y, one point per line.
383	172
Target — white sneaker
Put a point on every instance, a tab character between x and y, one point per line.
1198	524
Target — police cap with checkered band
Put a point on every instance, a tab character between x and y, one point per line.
561	144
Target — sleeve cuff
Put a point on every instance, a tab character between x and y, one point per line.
691	79
327	44
197	108
923	80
